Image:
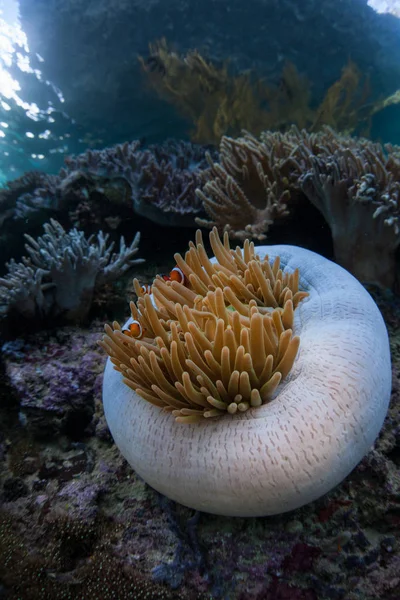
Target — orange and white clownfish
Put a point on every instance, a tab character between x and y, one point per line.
178	275
134	330
146	289
175	275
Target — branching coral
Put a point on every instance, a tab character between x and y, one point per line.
23	290
50	194
116	161
222	345
100	188
166	181
62	272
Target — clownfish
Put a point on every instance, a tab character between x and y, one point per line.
134	330
175	275
178	275
146	289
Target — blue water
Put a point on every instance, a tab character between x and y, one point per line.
66	100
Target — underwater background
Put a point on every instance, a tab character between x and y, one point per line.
277	121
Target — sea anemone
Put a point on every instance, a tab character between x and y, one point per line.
223	344
275	359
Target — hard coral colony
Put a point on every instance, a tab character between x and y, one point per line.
275	359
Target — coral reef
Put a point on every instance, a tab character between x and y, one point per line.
76	521
167	182
62	273
253	184
353	182
57	388
101	188
358	192
161	179
248	188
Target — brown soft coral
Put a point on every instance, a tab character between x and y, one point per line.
357	191
212	99
353	182
219	102
344	106
245	192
